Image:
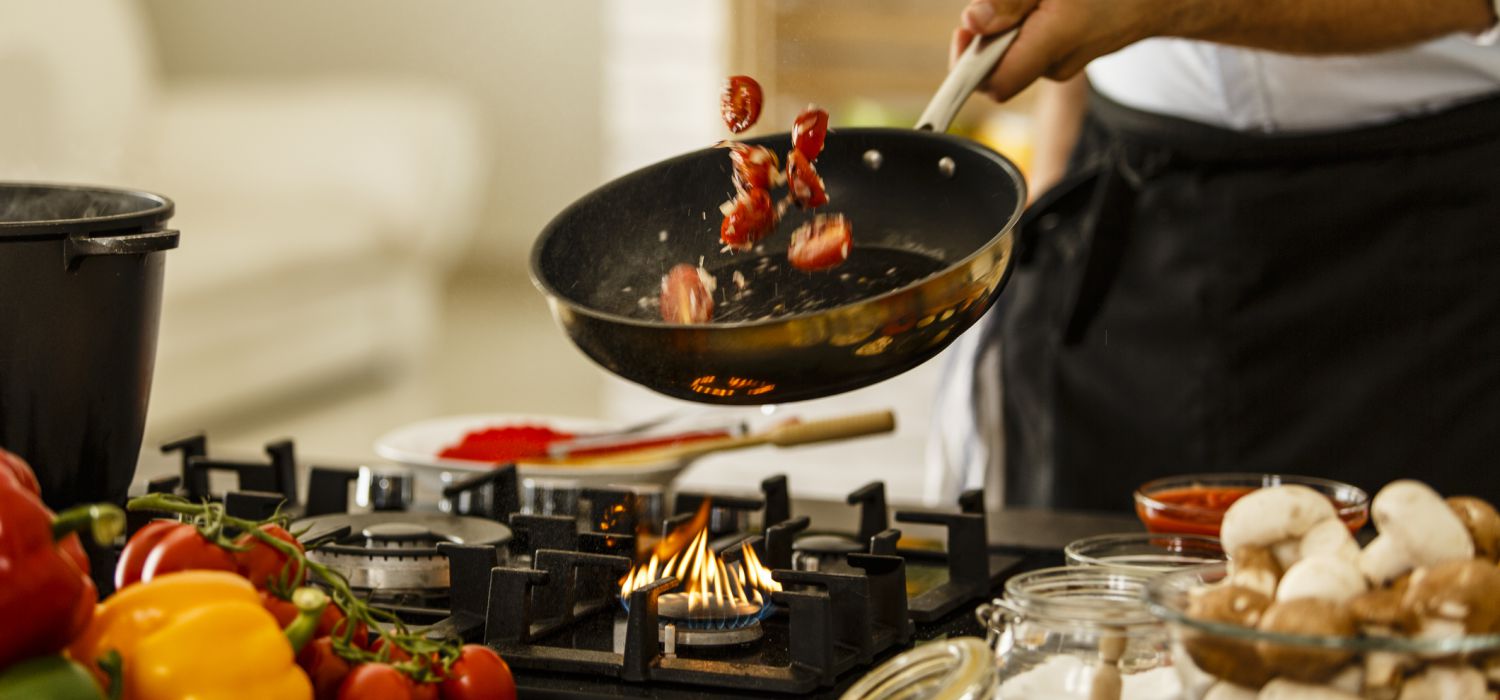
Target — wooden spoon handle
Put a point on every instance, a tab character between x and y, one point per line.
832	429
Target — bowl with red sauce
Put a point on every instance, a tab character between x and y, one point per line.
472	443
1194	504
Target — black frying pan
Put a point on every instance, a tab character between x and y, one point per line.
931	215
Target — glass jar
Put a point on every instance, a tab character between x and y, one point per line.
1079	632
1145	553
960	668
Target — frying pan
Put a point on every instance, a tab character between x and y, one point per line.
931	215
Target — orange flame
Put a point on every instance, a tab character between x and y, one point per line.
701	574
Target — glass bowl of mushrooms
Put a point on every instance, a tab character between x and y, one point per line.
1302	611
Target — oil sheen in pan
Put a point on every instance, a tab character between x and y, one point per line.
772	287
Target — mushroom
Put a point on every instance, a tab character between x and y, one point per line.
1283	689
1383	560
1379	613
1271	516
1350	680
1454	599
1446	682
1322	576
1329	538
1482	522
1311	617
1224	690
1419	524
1232	660
1254	568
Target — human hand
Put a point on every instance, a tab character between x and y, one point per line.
1057	37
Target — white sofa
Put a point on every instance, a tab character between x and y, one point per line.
318	217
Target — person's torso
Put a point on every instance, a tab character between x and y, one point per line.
1251	90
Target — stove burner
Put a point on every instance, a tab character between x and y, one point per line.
397	553
693	637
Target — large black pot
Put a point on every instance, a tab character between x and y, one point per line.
80	298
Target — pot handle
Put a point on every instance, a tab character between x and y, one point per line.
971	69
79	246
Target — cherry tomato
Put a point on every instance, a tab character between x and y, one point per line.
755	167
18	468
424	691
323	667
138	547
740	103
333	623
809	131
685	297
185	549
803	181
751	217
820	244
262	563
397	654
375	681
479	674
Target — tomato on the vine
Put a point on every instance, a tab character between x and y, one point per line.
375	681
325	668
333	623
262	563
740	102
804	182
184	549
138	547
820	244
752	216
685	296
479	674
280	608
809	130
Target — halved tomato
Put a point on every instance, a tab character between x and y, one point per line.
755	167
809	131
821	244
687	295
804	182
740	102
751	217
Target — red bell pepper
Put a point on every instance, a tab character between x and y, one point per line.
46	597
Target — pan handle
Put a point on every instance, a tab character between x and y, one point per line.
78	246
971	69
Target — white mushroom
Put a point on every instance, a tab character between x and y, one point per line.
1421	524
1228	691
1254	568
1283	689
1446	682
1383	560
1323	576
1482	522
1265	517
1329	538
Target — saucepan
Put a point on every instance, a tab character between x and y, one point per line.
932	217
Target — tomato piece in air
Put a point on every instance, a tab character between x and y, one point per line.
687	295
479	674
751	217
809	130
755	167
740	102
803	181
821	244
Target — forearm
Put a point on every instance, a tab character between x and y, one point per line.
1322	26
1059	118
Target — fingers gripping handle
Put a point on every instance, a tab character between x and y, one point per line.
968	73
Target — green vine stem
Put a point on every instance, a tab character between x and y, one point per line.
104	522
356	610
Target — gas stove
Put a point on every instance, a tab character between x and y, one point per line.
746	598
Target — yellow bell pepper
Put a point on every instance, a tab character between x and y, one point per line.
194	634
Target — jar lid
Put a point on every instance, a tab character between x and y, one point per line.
961	668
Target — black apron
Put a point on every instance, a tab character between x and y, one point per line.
1194	299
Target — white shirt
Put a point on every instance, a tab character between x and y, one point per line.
1250	90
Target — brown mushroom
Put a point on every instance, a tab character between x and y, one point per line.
1232	660
1483	523
1255	568
1453	599
1379	613
1305	616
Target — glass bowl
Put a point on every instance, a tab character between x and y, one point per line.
1207	653
1145	553
1194	504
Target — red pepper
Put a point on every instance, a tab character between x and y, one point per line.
263	564
21	471
47	598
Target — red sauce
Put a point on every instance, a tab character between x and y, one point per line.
1198	510
507	443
